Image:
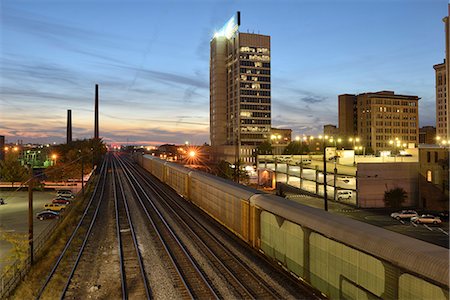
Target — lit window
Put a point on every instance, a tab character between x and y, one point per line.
429	176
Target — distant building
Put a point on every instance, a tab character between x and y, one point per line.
427	135
330	130
240	100
280	136
347	111
434	177
378	118
441	100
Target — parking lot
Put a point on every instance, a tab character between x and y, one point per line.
435	234
14	216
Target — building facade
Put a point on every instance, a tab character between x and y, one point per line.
347	111
330	130
383	120
280	135
441	99
447	66
427	135
434	177
240	99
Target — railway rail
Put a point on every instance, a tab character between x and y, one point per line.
193	281
133	278
245	283
67	262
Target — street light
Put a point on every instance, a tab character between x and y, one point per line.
54	157
354	140
325	199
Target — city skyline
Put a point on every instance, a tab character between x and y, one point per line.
151	62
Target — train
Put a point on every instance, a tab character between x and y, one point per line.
338	256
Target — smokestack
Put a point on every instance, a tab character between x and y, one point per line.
2	147
69	126
96	136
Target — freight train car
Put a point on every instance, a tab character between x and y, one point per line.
177	177
345	258
224	200
340	257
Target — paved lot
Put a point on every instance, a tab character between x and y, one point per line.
14	215
438	235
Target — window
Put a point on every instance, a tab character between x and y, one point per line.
429	175
435	157
428	156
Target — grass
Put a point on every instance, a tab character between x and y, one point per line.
44	262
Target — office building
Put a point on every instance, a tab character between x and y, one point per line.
447	59
347	115
280	135
442	89
433	177
240	101
330	130
441	100
427	135
381	120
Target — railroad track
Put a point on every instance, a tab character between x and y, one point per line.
190	278
244	282
133	278
60	276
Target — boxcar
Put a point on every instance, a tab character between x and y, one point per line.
345	258
224	200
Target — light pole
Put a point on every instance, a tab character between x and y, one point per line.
30	215
325	199
338	140
82	173
354	140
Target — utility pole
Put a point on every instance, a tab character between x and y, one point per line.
30	214
325	199
82	176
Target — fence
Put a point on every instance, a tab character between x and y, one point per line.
15	272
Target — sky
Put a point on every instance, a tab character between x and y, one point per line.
151	61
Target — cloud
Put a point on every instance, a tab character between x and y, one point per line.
312	99
172	78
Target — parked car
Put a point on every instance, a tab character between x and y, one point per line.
65	193
443	215
61	201
426	219
64	198
54	207
341	195
47	214
404	214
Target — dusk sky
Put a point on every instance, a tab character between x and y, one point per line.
151	61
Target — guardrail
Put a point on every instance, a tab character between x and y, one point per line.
16	271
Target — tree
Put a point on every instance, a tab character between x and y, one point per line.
395	197
264	148
295	148
11	170
224	170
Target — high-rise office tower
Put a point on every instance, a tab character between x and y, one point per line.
447	59
378	118
240	104
441	100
